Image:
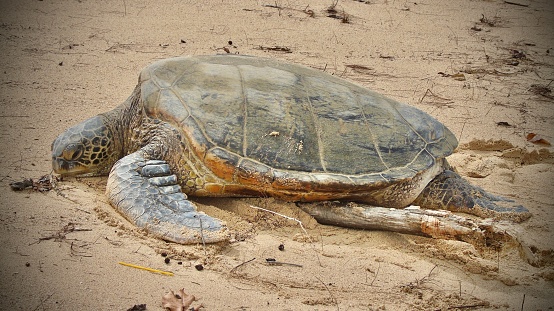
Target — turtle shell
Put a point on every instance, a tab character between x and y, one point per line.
264	115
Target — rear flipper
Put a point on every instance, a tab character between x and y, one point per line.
451	192
148	195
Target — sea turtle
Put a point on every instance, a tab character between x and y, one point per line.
229	125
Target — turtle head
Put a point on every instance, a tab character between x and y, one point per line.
86	149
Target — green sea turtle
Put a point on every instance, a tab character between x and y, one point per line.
229	125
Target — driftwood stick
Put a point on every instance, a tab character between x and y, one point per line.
439	224
429	223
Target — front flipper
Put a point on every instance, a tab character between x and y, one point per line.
148	195
451	192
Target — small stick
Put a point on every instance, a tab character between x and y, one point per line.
462	130
202	236
284	216
468	306
330	293
146	268
428	91
294	219
275	6
41	304
242	264
429	275
280	263
515	3
376	274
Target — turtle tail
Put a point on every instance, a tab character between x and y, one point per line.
450	191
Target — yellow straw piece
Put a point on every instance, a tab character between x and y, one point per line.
146	268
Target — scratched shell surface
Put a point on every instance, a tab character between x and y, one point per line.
291	118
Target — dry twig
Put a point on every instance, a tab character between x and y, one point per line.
284	216
241	264
276	48
60	235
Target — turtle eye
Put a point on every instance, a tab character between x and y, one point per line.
72	152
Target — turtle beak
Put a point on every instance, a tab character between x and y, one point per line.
72	168
65	160
65	168
60	166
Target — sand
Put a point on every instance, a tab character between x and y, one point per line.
484	68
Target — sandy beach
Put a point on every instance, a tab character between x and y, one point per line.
482	67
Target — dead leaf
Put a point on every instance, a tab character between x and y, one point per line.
43	184
21	185
141	307
537	139
181	302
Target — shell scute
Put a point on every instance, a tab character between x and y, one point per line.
293	181
230	107
196	138
168	109
254	173
150	94
223	163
